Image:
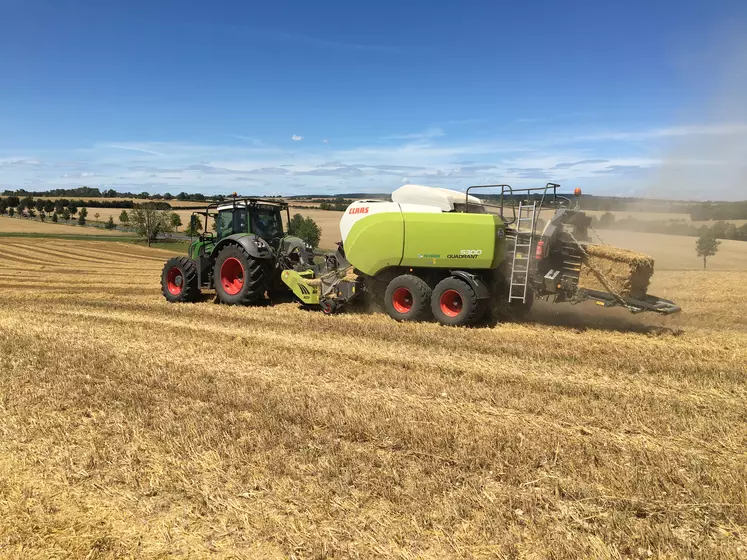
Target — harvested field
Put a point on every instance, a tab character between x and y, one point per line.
135	428
20	225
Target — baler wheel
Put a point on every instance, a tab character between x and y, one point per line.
407	298
239	279
179	280
454	302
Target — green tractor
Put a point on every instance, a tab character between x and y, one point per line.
242	259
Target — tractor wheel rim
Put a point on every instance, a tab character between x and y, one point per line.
451	303
402	300
232	276
174	281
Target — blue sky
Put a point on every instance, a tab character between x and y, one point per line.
626	98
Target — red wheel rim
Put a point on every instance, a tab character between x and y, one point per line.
451	303
402	300
232	276
174	281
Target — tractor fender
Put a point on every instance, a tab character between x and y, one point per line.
257	247
481	290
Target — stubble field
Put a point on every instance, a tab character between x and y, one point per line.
130	427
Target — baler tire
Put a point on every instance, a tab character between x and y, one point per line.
179	280
407	298
232	262
455	303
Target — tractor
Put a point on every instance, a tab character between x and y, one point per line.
242	258
426	253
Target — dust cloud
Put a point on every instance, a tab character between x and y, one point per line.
705	157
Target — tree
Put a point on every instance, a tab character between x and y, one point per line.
11	211
124	218
13	201
195	225
39	204
168	196
110	223
55	218
66	215
96	216
42	215
606	220
82	219
305	228
149	221
59	207
176	221
706	246
49	206
3	206
31	212
73	209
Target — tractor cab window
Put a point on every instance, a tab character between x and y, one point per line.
266	222
230	221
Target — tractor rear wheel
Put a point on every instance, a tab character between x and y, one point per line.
239	279
454	302
179	280
407	298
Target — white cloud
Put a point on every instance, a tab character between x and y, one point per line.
325	141
296	138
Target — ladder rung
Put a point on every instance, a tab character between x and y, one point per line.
522	245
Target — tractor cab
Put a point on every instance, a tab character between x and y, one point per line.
261	218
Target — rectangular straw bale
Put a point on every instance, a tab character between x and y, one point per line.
628	273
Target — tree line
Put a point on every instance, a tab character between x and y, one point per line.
718	230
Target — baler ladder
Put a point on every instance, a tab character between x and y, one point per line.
525	223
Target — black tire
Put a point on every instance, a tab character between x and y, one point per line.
329	307
454	302
179	280
407	298
239	279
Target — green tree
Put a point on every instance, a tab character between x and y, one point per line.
305	228
31	212
706	246
49	206
81	219
176	221
55	218
66	215
73	209
150	222
42	215
11	211
195	225
39	204
110	223
124	217
59	207
3	206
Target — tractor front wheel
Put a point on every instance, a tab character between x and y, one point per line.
454	302
406	298
179	280
239	279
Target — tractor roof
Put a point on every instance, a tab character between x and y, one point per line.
445	199
244	202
